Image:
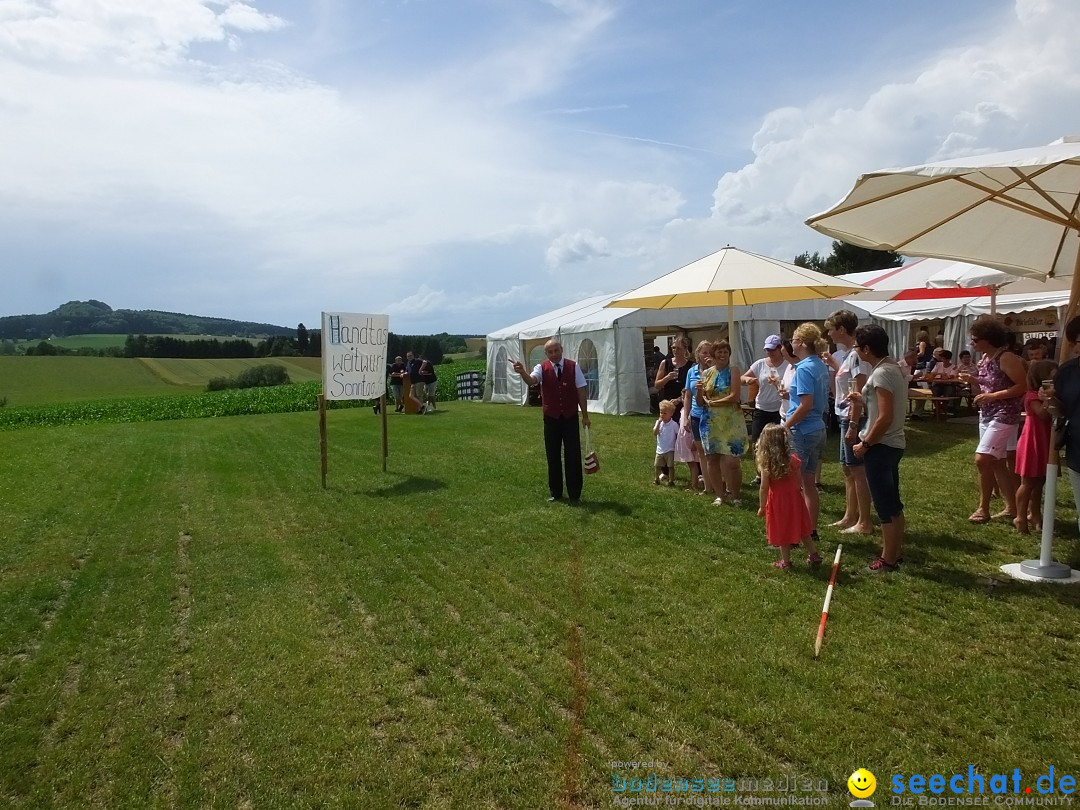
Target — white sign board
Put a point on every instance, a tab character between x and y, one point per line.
354	355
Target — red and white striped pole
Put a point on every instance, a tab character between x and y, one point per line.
828	599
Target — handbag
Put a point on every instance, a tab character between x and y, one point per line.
592	463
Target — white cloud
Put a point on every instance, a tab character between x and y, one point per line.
128	32
572	248
1021	87
449	188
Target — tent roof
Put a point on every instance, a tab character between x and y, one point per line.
593	314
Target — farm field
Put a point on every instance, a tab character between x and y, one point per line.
188	620
191	372
41	380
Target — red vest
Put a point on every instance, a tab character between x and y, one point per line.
559	396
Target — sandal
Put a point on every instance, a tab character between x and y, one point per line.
979	516
1004	513
785	564
879	566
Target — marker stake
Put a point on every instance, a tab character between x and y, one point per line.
828	599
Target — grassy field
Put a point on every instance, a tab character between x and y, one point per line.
188	620
189	372
42	380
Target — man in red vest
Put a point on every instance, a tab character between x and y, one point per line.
563	390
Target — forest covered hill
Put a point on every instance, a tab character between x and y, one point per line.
98	318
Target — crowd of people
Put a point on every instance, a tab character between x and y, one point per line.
792	388
796	388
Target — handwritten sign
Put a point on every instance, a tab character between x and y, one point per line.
354	355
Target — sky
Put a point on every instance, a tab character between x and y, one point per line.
465	164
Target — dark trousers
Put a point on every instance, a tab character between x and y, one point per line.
561	437
761	419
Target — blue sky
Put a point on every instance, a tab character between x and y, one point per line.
464	164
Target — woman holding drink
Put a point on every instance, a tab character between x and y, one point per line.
1001	383
851	373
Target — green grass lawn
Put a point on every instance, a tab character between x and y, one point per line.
188	620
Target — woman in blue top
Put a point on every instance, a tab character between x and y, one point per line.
723	428
808	398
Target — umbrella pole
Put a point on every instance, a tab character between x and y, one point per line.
993	299
1045	567
731	320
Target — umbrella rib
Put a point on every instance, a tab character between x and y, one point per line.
1061	242
872	200
1069	216
995	196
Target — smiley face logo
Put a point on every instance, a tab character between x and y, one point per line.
862	784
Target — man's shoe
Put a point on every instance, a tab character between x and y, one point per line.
553	498
575	501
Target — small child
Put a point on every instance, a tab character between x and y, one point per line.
666	430
780	497
1033	449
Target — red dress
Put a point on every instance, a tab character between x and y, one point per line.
787	520
1033	448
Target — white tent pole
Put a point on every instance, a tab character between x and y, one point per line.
993	298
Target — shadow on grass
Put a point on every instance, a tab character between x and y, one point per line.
596	507
924	543
407	485
997	584
934	437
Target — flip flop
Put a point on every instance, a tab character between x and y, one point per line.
1004	513
979	516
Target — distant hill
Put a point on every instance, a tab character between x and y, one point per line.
97	318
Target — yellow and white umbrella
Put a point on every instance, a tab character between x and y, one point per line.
731	277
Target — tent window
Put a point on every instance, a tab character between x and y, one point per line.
501	363
589	367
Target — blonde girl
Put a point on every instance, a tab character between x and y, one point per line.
780	498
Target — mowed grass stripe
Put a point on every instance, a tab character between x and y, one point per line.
403	639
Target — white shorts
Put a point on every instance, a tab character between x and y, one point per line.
995	438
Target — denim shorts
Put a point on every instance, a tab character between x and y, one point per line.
810	448
695	428
883	479
847	455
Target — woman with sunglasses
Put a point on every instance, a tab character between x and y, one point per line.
1001	384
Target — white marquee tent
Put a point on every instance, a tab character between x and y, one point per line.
609	343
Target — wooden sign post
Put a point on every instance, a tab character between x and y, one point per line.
353	366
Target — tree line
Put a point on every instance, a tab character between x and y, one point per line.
303	343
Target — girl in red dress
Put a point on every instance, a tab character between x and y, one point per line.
787	521
1033	449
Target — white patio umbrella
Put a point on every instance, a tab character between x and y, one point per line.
1012	211
965	275
732	277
